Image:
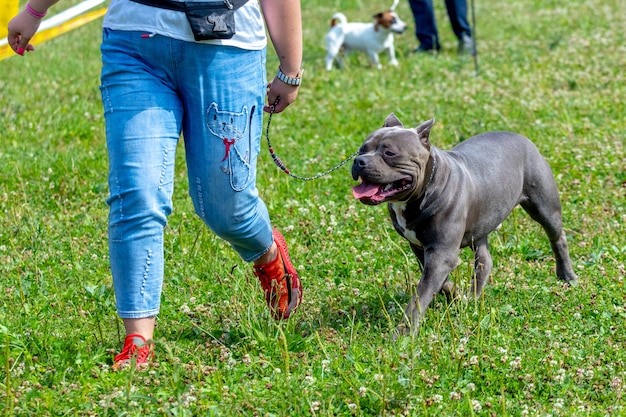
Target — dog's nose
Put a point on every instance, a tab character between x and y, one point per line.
359	162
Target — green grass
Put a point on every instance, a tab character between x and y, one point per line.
553	71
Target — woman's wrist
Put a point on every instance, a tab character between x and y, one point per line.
34	12
293	78
39	8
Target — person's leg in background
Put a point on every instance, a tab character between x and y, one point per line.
457	12
425	25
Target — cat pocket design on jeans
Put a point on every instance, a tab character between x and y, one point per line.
230	128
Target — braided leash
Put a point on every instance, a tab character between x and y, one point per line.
280	164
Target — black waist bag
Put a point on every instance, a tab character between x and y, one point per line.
208	20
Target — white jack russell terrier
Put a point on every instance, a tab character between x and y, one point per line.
371	38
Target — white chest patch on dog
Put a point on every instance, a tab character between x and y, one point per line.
398	209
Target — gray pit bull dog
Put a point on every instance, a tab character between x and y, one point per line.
442	201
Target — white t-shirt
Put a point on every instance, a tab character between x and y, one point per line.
131	16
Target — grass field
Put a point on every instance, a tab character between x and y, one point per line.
553	71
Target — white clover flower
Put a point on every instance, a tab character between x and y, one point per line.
315	406
455	396
516	363
476	405
616	383
559	403
560	375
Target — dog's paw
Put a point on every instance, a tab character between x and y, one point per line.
452	292
403	329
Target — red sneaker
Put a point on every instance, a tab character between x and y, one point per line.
135	346
280	282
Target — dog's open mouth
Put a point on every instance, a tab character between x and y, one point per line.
372	194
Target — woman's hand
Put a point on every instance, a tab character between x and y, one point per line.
21	29
24	26
280	95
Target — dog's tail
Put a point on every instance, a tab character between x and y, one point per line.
394	5
338	19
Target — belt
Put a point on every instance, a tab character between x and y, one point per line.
179	6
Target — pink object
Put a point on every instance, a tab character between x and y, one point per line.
34	13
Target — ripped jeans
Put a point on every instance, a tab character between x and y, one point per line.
153	88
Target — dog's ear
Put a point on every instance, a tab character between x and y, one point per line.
377	18
423	132
392	121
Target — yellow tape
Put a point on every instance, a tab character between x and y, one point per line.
44	35
8	9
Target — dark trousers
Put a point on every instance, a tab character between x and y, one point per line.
426	26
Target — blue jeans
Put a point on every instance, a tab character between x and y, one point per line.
153	88
426	25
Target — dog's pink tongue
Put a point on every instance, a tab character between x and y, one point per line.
365	190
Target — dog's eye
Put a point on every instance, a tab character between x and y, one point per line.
390	153
393	20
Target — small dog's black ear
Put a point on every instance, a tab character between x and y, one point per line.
423	131
392	121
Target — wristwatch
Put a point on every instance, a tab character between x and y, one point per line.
295	81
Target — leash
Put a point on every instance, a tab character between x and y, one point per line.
280	164
475	47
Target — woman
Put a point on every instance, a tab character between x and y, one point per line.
157	81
